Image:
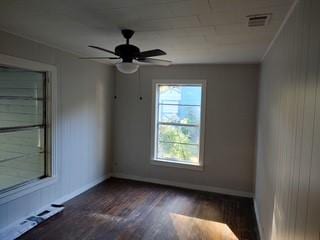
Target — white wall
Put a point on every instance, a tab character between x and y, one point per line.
85	91
229	133
288	152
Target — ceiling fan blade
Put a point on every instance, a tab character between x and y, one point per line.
102	49
152	53
99	58
155	61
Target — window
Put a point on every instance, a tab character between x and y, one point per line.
178	122
23	127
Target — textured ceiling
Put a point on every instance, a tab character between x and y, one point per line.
190	31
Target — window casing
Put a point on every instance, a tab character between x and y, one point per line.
178	111
28	113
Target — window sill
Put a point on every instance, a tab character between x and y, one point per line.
25	189
176	164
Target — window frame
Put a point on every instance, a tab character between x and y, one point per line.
154	121
51	129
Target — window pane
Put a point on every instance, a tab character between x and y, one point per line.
178	122
21	94
22	151
180	94
20	112
21	84
179	134
179	152
21	157
173	113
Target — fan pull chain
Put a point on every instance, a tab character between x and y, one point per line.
139	85
115	87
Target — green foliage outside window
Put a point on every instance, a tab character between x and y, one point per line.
170	138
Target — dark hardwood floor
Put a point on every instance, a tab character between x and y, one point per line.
123	209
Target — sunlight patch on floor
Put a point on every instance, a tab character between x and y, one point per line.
196	228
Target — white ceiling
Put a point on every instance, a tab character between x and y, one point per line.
190	31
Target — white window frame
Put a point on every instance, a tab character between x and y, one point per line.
51	73
154	112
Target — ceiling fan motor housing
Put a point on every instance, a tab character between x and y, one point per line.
127	52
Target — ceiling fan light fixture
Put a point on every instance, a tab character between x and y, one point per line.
127	67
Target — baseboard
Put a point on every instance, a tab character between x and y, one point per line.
82	189
260	229
185	185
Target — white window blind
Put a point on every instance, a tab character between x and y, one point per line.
22	127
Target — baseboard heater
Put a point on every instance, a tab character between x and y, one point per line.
16	230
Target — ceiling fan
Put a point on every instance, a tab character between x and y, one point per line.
131	55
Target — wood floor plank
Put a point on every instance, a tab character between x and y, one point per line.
124	209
